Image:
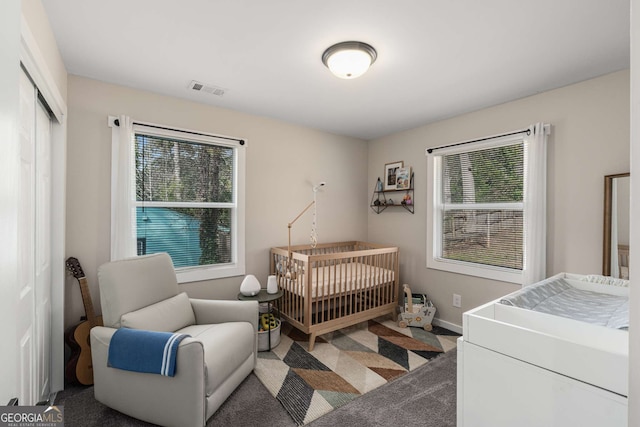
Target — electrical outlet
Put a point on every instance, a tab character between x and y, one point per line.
457	300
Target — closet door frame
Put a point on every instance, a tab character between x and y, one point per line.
33	61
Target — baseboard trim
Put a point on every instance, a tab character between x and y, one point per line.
447	325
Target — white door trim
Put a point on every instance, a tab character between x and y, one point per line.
33	61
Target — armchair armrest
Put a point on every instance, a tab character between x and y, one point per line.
190	350
220	311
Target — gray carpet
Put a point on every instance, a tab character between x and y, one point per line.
425	397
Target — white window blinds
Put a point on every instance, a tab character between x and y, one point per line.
184	199
481	207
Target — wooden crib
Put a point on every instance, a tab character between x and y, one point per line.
335	285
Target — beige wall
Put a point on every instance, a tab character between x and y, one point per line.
282	162
589	139
623	206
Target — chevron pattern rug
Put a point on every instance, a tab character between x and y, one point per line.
344	364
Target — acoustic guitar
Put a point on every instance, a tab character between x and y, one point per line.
80	366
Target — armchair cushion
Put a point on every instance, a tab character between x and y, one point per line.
130	284
164	316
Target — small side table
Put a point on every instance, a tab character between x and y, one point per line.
264	296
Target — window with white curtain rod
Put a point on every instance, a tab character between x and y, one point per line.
240	141
527	131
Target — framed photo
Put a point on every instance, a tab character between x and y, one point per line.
390	171
403	178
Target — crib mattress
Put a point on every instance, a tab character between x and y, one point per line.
345	277
560	298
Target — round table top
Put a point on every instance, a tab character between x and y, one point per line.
261	296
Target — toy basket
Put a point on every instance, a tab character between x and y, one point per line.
263	335
418	311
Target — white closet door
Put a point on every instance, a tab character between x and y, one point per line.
43	251
34	243
26	238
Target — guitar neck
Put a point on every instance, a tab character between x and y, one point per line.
86	300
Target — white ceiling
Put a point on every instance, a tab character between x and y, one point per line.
436	58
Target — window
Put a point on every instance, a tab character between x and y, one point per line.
188	201
479	210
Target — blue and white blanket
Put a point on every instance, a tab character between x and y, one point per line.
145	351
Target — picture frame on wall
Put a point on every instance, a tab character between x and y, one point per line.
403	178
390	175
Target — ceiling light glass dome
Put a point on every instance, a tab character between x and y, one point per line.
349	60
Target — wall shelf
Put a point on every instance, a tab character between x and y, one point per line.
383	199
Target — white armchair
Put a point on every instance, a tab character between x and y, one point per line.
143	293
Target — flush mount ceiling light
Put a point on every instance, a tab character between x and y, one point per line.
349	60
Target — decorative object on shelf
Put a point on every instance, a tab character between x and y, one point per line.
272	285
390	171
379	200
349	60
403	178
379	185
250	286
291	274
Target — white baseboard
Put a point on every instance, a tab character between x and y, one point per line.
447	325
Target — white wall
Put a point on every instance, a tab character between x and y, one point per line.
9	176
634	241
589	139
283	161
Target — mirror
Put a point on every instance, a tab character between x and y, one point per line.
615	255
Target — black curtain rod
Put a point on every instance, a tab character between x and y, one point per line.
241	141
527	131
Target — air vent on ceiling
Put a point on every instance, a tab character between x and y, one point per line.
208	88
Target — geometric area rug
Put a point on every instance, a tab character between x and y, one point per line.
344	364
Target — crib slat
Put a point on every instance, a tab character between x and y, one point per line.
337	280
350	283
374	285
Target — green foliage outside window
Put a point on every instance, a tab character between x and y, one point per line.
497	175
